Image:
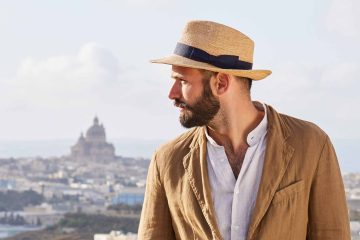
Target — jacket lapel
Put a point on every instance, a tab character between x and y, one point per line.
277	156
195	165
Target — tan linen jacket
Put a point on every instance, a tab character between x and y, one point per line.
301	193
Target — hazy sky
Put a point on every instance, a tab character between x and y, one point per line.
63	62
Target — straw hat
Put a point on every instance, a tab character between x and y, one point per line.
215	47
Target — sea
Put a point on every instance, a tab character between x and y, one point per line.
135	148
9	231
347	150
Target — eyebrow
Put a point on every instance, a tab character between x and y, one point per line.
177	76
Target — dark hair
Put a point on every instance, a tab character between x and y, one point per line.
249	82
208	74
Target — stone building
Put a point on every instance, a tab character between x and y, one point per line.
93	146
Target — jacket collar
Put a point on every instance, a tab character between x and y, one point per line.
277	156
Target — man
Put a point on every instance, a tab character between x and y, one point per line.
243	171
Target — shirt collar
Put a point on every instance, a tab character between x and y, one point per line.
255	135
211	140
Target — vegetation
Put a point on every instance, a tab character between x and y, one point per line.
99	223
125	208
80	226
16	201
10	219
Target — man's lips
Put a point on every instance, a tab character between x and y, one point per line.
180	105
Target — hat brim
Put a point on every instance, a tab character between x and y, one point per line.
185	62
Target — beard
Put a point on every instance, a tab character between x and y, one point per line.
202	111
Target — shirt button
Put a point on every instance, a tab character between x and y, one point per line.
222	160
237	192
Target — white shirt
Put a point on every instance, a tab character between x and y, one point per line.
234	200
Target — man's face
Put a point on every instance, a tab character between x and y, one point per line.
192	93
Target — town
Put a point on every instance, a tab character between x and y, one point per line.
90	180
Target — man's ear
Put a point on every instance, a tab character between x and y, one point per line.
222	81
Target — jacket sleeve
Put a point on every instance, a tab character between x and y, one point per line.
328	213
155	221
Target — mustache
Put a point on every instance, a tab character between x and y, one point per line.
178	103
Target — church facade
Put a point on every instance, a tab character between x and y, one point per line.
93	146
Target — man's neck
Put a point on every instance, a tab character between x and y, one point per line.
231	128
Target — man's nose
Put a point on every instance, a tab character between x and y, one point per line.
175	91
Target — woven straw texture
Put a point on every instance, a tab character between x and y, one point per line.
216	39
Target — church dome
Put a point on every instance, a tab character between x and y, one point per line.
96	133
